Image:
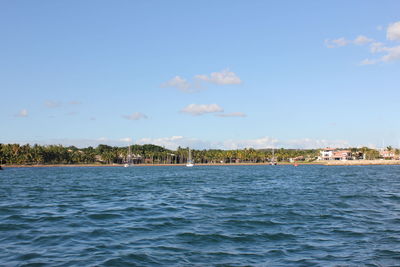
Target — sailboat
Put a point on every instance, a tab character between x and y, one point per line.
129	162
273	162
189	161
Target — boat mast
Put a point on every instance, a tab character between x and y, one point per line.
129	155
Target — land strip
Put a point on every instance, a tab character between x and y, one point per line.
327	163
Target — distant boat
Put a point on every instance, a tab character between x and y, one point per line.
129	162
189	161
273	161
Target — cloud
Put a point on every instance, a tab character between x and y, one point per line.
52	104
223	77
258	143
390	53
368	62
393	32
22	113
308	143
179	83
336	42
135	116
232	114
72	113
74	102
126	140
361	39
195	109
269	142
376	47
173	142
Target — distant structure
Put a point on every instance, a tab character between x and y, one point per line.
387	154
334	154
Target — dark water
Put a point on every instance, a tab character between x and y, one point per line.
201	216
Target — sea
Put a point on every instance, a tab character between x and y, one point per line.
307	215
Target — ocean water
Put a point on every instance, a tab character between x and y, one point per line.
200	216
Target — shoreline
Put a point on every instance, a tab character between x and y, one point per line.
324	163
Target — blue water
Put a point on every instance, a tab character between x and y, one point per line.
201	216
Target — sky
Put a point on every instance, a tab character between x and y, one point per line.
204	74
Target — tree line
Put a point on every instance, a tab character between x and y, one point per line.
152	154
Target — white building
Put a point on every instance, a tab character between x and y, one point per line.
334	154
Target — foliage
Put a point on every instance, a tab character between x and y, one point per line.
152	154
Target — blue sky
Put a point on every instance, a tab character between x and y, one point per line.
222	74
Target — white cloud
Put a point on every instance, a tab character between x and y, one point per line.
268	142
74	102
232	114
336	42
126	140
376	47
308	143
221	78
340	42
393	32
52	104
393	53
174	142
258	143
135	116
390	53
361	39
368	62
196	109
179	83
22	113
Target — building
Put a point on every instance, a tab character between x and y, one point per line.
326	154
334	154
387	154
341	155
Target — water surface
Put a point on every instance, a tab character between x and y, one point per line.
201	216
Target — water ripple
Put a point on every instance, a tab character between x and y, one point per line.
202	216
